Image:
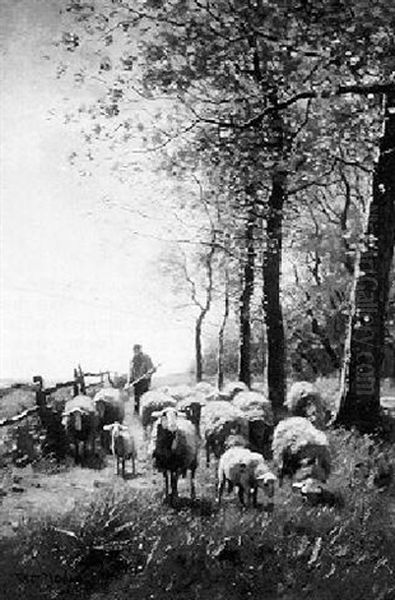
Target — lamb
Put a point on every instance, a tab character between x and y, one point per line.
304	400
110	405
151	402
219	420
123	446
300	450
175	448
247	470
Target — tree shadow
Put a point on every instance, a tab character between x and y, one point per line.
94	461
198	506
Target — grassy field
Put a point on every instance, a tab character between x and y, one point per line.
82	533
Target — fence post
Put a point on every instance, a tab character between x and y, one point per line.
75	385
82	380
41	398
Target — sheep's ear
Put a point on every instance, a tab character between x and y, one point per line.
267	478
156	414
108	427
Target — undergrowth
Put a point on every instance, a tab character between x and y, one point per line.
123	544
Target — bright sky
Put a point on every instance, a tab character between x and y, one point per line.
74	283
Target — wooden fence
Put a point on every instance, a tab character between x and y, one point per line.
78	384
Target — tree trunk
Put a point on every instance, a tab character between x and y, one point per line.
198	347
360	395
245	304
221	334
271	294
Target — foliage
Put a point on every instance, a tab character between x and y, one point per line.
231	353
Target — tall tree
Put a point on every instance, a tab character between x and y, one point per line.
247	289
360	401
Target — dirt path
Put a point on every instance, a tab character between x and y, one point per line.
28	492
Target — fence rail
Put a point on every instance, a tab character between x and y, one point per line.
78	383
17	418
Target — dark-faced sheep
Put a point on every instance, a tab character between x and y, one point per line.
300	450
259	414
192	408
304	400
175	448
152	402
219	420
81	420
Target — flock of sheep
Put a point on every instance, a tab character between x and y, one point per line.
234	424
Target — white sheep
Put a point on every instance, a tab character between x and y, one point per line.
247	470
231	389
123	446
300	450
304	400
206	389
179	392
174	448
220	419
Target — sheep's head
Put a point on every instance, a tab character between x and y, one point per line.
115	428
235	439
100	406
73	418
267	481
167	418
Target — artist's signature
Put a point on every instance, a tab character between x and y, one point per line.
57	578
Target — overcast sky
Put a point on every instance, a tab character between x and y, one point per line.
74	284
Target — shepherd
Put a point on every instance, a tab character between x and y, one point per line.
141	369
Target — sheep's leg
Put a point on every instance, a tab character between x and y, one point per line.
221	485
133	466
85	451
123	467
105	441
165	475
193	491
173	480
281	475
76	452
117	462
240	494
207	454
254	496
